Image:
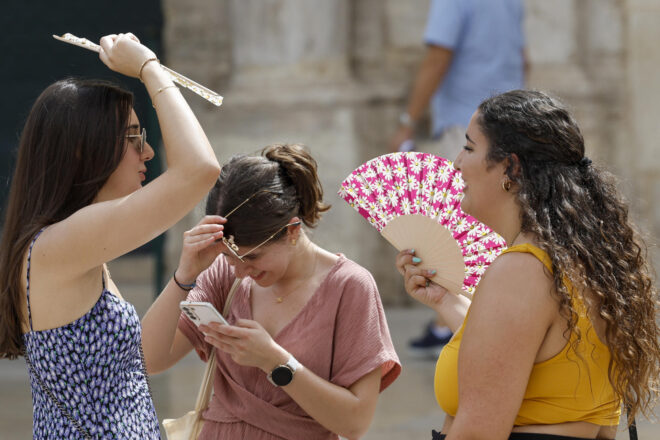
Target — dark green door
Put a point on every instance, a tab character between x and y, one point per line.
31	59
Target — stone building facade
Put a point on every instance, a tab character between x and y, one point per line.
334	75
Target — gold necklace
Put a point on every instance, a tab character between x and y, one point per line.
280	299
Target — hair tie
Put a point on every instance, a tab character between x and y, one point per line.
584	162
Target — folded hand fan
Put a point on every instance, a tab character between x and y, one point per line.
413	199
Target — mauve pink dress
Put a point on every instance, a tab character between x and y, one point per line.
341	334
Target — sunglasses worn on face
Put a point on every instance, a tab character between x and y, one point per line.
143	139
234	248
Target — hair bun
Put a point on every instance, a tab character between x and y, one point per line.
584	162
300	169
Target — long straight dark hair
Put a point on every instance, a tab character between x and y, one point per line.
72	141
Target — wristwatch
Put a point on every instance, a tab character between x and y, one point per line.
282	375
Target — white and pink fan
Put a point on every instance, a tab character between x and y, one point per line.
413	199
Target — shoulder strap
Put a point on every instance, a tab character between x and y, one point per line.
205	389
230	297
539	253
543	257
27	284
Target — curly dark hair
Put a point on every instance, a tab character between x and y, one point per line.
579	218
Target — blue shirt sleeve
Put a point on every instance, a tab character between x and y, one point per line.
445	23
521	20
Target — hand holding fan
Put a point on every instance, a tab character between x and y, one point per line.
413	200
183	81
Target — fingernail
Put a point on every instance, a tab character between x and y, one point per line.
412	251
417	260
432	272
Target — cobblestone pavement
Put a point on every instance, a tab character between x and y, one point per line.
406	410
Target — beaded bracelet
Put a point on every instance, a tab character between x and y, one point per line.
186	287
144	64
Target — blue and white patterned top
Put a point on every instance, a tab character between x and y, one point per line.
94	368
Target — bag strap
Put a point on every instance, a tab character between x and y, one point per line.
77	425
632	428
230	297
206	387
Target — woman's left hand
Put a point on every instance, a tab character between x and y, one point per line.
247	342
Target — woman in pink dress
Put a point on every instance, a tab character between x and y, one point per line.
308	349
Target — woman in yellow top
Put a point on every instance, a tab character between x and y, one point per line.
561	331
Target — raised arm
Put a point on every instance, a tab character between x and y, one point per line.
164	344
431	73
108	229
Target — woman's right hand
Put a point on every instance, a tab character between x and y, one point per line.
123	53
417	281
201	246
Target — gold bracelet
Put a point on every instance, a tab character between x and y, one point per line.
160	90
144	64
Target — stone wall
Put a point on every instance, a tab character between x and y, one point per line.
642	139
334	74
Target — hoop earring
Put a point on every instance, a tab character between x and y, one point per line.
293	241
506	185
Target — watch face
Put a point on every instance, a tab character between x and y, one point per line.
282	376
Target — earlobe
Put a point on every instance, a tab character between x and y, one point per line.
294	230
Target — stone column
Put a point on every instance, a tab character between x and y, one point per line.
289	41
643	96
288	75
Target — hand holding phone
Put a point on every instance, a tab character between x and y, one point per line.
201	313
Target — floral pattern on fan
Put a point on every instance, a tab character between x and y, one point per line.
420	183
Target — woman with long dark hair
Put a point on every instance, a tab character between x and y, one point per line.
76	202
562	329
307	350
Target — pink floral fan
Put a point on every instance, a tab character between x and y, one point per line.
413	199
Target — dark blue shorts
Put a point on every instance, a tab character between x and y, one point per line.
519	436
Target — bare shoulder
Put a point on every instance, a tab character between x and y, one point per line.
516	282
54	249
47	249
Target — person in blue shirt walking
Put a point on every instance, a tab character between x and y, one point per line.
475	49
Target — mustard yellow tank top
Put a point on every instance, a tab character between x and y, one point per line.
564	388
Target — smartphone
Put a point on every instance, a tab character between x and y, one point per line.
201	312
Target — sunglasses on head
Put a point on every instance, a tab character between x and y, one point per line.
234	248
